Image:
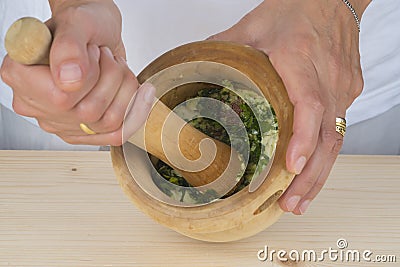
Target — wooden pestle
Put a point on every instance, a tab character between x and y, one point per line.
28	42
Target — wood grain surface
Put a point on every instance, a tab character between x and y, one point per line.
67	209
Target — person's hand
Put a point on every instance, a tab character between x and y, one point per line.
314	47
88	80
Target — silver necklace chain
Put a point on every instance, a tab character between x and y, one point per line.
354	14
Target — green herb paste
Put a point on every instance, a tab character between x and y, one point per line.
262	136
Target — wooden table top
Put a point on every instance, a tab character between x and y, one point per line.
66	209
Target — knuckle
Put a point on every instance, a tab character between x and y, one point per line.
308	183
131	80
329	139
319	185
338	146
317	105
115	139
314	102
5	75
8	72
358	86
64	41
112	120
62	102
47	127
89	111
73	139
20	108
69	139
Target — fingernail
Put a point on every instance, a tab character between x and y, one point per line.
70	73
300	163
292	202
149	94
303	207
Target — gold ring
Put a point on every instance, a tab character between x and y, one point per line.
86	129
341	126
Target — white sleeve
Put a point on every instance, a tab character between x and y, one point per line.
380	61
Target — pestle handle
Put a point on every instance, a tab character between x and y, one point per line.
28	42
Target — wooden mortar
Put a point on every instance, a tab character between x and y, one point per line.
243	214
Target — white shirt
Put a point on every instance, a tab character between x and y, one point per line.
380	61
153	27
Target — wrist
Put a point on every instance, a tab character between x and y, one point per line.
360	6
356	8
99	21
56	5
105	10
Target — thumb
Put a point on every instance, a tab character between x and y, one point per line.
234	34
227	35
74	63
